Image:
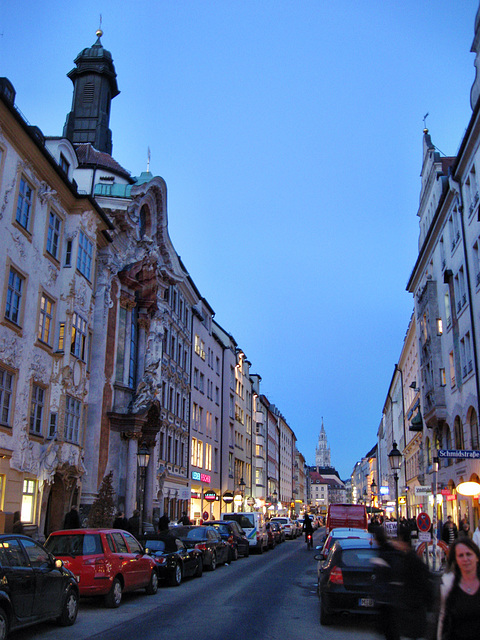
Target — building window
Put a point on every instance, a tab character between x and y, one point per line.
68	254
37	407
14	296
132	366
79	337
85	254
72	419
6	393
24	204
64	163
458	430
53	235
45	321
193	457
474	430
52	427
28	500
208	457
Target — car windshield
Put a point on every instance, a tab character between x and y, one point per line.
193	534
78	544
244	520
281	520
222	529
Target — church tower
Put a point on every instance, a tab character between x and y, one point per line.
322	452
94	86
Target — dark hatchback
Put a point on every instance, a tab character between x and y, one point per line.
233	533
174	560
215	550
34	586
347	580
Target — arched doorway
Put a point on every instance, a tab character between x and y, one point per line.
55	506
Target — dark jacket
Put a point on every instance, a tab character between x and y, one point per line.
72	520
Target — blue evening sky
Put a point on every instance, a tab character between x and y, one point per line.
289	133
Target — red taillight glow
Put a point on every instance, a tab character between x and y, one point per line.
201	545
336	576
230	539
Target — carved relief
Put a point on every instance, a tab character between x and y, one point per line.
46	194
6	197
11	350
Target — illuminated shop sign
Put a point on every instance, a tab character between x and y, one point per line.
210	496
201	477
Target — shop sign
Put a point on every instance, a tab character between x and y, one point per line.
423	490
210	496
195	495
228	497
451	497
202	477
445	492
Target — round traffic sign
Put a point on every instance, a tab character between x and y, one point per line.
423	522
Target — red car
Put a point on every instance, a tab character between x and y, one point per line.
105	562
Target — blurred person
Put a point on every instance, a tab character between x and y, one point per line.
464	530
449	531
120	521
72	519
134	523
184	519
476	535
307	527
459	617
163	523
17	523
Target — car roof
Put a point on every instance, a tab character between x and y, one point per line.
342	530
356	543
79	531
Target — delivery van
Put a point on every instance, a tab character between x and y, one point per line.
253	523
346	515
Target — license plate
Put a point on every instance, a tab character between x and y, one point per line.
366	602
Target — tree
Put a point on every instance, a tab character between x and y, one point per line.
103	509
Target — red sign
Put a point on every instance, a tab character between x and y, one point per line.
451	497
423	522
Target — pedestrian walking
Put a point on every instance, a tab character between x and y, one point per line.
163	523
120	521
459	617
449	531
17	523
134	523
184	519
72	519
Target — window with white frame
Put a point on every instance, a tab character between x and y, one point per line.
28	500
85	255
37	408
53	234
24	204
78	336
454	228
208	457
45	320
6	396
15	291
193	457
73	410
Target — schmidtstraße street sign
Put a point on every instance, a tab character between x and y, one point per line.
459	453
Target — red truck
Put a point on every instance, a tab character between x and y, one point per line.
346	515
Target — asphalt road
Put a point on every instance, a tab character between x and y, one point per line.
263	597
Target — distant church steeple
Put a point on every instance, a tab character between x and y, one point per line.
322	452
94	86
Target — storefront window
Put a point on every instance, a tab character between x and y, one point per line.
28	500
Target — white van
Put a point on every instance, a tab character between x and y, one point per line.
253	523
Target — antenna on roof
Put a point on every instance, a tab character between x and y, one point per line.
425	130
99	32
148	159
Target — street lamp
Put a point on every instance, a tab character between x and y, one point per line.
242	486
395	458
373	490
275	499
143	456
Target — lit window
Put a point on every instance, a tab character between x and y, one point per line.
53	236
28	500
24	204
45	320
85	253
439	326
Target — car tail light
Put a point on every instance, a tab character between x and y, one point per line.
202	546
230	539
336	576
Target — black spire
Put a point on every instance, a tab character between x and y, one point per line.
94	86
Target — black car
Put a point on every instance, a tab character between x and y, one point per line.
277	531
34	586
346	580
233	533
174	560
208	540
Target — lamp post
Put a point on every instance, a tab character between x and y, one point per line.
242	486
143	456
373	489
395	458
275	498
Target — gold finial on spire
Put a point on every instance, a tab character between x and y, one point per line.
425	130
99	32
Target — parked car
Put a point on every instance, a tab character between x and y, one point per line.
204	537
278	532
272	543
346	580
288	526
340	534
234	535
105	562
174	560
34	586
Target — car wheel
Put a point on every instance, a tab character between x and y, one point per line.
152	586
199	570
247	551
260	548
213	564
234	554
114	596
3	624
176	576
69	610
325	618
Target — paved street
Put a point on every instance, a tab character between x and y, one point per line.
267	597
